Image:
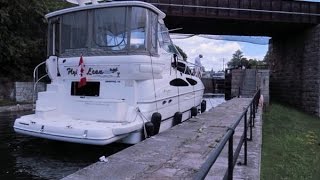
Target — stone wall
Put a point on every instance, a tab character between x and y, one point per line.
24	91
294	63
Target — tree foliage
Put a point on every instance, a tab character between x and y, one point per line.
23	36
238	60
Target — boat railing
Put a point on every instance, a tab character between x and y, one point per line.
190	68
37	78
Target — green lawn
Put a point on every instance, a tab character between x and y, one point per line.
291	144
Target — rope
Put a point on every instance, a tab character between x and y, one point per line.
144	124
154	85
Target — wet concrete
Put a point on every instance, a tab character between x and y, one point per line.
177	153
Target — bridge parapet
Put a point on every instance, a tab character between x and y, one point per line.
262	10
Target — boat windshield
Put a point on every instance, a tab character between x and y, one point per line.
103	31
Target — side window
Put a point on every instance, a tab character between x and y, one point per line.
178	82
165	40
191	81
154	27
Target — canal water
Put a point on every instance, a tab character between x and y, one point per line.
23	157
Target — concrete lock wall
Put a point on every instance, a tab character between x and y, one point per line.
294	63
24	91
249	80
237	81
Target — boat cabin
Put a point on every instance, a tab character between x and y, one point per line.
108	29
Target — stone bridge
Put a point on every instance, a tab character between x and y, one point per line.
293	55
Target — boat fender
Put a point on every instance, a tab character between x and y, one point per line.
177	118
194	111
203	106
156	120
149	129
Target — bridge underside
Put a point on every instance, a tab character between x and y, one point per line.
239	17
294	56
194	25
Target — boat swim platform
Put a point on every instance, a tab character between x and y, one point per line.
179	152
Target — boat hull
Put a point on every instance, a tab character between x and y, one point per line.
86	132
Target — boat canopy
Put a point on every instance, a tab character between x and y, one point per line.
103	30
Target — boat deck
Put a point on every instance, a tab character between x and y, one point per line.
176	153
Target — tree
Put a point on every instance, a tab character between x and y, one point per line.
23	36
237	60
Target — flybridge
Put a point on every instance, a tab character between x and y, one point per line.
85	2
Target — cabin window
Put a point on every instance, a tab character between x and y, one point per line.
138	28
74	33
104	31
178	82
110	28
90	89
192	81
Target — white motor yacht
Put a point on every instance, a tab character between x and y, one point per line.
115	76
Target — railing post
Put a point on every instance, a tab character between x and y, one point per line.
245	137
250	121
254	112
230	157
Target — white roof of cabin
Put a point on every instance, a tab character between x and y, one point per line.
161	15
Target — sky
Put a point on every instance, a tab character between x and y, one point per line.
214	51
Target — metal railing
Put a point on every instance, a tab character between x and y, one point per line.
36	79
188	68
228	137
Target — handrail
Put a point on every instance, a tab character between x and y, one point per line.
36	79
228	137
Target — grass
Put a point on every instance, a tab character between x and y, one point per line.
291	144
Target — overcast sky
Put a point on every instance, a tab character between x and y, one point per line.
214	51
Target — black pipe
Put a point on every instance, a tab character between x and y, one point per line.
213	156
230	158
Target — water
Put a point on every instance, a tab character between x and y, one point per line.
24	157
213	101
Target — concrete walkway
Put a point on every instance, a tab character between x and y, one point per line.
178	152
18	107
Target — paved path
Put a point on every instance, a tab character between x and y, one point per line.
18	107
176	153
